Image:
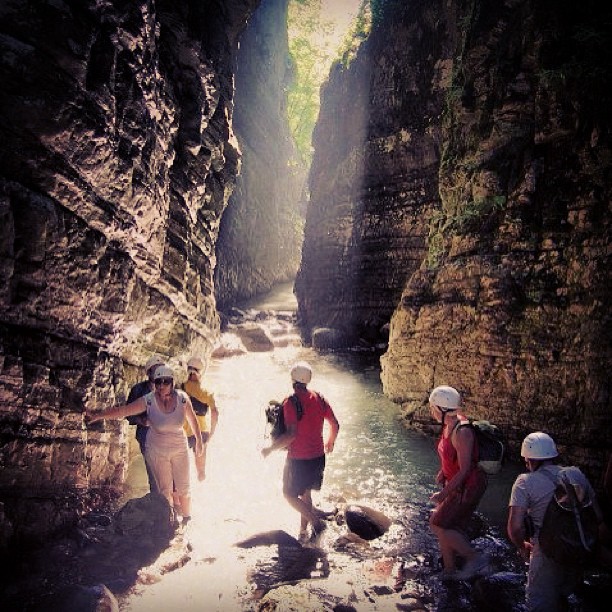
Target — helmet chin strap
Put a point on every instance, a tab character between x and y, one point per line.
444	412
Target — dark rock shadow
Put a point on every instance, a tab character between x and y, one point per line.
102	550
293	562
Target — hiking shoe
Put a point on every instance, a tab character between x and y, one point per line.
319	527
448	575
477	566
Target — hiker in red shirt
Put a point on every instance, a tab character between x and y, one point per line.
303	440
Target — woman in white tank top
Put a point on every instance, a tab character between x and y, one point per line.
166	449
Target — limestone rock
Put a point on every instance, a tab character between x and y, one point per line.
254	338
460	190
118	160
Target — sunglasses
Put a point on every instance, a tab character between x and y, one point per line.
163	381
192	369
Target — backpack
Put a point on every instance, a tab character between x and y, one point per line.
276	418
200	408
491	448
569	531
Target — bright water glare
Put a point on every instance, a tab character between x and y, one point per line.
376	463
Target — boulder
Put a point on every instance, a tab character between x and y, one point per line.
328	338
367	523
255	338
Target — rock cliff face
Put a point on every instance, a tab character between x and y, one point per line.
117	161
373	180
260	237
475	204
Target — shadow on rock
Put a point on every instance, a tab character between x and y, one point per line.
70	572
293	563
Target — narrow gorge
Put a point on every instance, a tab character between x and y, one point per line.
458	220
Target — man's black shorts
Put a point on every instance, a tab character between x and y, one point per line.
302	474
191	439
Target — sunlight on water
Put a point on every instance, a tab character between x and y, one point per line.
376	462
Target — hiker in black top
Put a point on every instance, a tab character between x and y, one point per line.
140	420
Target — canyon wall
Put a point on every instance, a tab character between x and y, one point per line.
117	160
260	237
461	189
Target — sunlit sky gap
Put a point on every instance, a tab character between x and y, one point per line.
317	31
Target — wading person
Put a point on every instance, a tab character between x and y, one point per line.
305	463
205	409
463	485
166	449
141	389
548	582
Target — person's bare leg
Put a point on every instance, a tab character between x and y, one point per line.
305	510
452	543
307	499
447	552
201	464
185	505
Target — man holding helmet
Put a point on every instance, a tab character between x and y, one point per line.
548	582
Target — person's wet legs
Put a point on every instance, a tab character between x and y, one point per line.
303	504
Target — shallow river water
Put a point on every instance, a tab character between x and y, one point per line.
376	463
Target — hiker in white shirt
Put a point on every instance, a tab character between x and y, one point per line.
548	582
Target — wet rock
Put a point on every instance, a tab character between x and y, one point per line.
255	338
499	592
82	598
229	345
367	523
149	515
328	338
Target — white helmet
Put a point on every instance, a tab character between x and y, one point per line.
301	372
196	363
538	445
445	397
154	360
163	371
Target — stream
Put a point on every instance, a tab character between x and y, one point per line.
376	463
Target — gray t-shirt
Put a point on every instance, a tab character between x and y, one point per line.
533	491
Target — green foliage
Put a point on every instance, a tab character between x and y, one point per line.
305	25
473	214
312	50
378	8
356	35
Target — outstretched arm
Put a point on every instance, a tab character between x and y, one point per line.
117	412
283	441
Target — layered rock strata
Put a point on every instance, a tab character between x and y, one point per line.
117	161
260	237
373	180
483	220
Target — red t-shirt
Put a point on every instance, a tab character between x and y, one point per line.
308	443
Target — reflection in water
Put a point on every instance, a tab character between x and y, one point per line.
375	462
